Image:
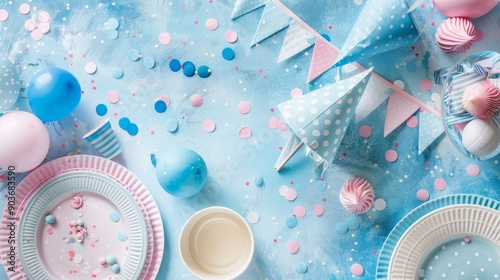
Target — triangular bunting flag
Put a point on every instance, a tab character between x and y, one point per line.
245	6
273	20
297	39
324	56
382	26
375	94
430	128
320	118
399	110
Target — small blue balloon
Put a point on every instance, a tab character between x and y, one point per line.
53	94
181	172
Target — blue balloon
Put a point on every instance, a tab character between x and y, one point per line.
53	94
181	172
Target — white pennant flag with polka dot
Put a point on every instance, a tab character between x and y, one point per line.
320	118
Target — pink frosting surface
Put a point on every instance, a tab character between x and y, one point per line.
455	35
357	195
481	100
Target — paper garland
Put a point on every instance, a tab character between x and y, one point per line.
273	19
429	129
245	6
296	40
399	109
323	58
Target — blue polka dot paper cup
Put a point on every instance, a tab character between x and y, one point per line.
103	138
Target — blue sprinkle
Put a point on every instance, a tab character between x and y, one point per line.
133	54
71	240
228	54
292	221
326	37
132	129
124	123
353	223
117	73
114	216
204	71
188	69
79	222
149	62
112	34
321	186
172	125
160	106
113	23
50	219
258	180
301	267
122	236
111	260
101	109
115	268
175	65
411	67
341	227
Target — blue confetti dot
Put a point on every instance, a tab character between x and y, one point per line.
301	267
411	67
326	37
160	106
353	223
133	54
112	34
292	221
79	222
124	123
115	268
117	72
50	219
101	109
172	125
114	216
122	236
149	62
113	23
321	186
341	227
204	71
175	65
228	54
111	259
188	69
258	180
132	129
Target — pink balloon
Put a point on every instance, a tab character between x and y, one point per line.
465	8
24	141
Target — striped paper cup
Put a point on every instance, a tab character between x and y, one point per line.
103	138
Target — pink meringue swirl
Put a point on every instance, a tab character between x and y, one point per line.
481	99
455	35
357	195
77	201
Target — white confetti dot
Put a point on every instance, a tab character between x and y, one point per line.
253	217
380	204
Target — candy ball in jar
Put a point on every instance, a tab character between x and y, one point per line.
481	137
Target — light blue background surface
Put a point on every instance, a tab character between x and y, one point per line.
231	161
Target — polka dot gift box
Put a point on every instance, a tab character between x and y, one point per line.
320	118
382	26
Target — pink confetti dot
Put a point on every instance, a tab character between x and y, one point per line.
244	107
467	239
90	67
365	131
212	24
473	170
391	155
290	194
36	34
164	99
426	84
4	15
44	27
196	100
209	126
412	122
29	24
164	38
357	269
245	132
231	36
43	16
440	184
296	92
319	210
293	247
423	195
24	9
113	96
283	126
50	231
299	212
273	123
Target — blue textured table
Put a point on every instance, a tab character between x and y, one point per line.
79	35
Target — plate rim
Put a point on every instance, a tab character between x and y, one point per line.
402	226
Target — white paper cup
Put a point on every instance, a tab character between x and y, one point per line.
216	243
103	138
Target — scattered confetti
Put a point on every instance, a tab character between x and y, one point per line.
160	106
244	107
114	216
245	132
164	38
365	131
90	68
211	24
391	155
341	227
379	204
412	122
113	23
113	97
353	223
426	84
172	125
423	195
321	186
188	69
133	54
204	71
174	65
101	109
258	180
149	62
253	217
291	221
296	92
112	34
228	54
196	100
293	247
357	269
290	194
117	72
122	236
299	211
231	36
473	170
301	267
132	129
319	210
24	9
209	126
4	15
440	184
